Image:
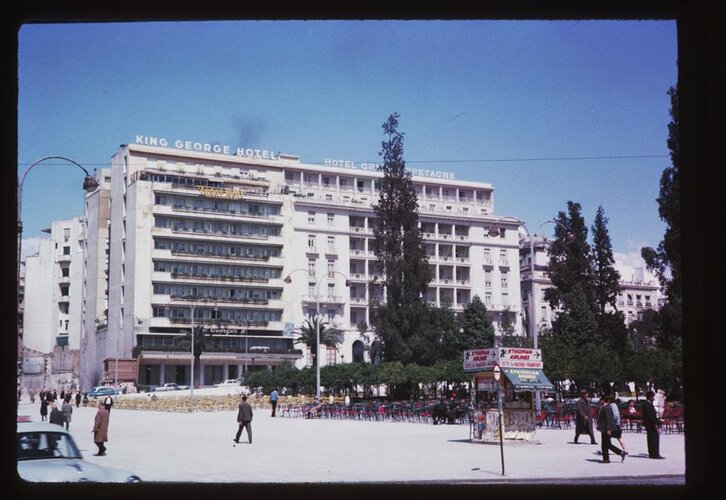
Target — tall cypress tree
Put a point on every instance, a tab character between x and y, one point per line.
402	323
606	279
569	264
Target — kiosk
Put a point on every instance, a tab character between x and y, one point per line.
521	375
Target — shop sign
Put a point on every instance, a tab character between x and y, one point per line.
478	359
520	357
223	193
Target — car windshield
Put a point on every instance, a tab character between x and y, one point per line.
44	445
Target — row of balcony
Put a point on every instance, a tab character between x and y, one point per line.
216	277
353	199
445	236
210	210
207	235
231	300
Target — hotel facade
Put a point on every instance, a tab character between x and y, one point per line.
185	234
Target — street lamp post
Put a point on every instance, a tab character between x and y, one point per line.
89	184
288	280
494	231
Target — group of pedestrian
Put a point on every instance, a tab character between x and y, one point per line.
609	424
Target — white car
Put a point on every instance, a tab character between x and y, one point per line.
171	386
228	382
47	453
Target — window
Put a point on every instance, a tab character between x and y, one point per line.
311	267
488	299
331	243
330	316
331	290
311	217
326	181
331	219
66	250
353	317
487	256
331	268
328	197
330	355
487	279
505	299
311	289
65	271
505	281
311	242
503	257
66	234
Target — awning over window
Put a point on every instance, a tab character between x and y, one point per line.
527	378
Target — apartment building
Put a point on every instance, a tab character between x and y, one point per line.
640	290
251	244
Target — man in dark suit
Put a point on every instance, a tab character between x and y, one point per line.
244	419
607	426
583	422
651	424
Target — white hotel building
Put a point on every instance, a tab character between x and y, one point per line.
215	235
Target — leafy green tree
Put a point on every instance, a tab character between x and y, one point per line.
445	324
403	322
665	261
308	336
393	374
477	331
606	282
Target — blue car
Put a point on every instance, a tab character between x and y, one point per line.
101	391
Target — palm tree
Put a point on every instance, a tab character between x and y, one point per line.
202	341
329	336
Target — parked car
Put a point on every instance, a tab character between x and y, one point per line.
47	453
228	382
101	391
171	386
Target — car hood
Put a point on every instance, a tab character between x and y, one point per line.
61	470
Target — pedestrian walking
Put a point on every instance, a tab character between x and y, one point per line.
100	430
606	426
108	403
244	419
273	400
78	399
651	422
583	418
618	433
660	403
67	409
43	409
56	417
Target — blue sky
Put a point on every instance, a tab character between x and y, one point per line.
492	101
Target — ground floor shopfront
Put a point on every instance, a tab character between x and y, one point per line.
157	367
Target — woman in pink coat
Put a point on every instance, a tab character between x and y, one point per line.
100	429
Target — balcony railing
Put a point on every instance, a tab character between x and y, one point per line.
203	276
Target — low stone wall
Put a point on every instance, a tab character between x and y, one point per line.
154	402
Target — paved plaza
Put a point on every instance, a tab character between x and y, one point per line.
198	447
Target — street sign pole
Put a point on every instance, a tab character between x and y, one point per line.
497	378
